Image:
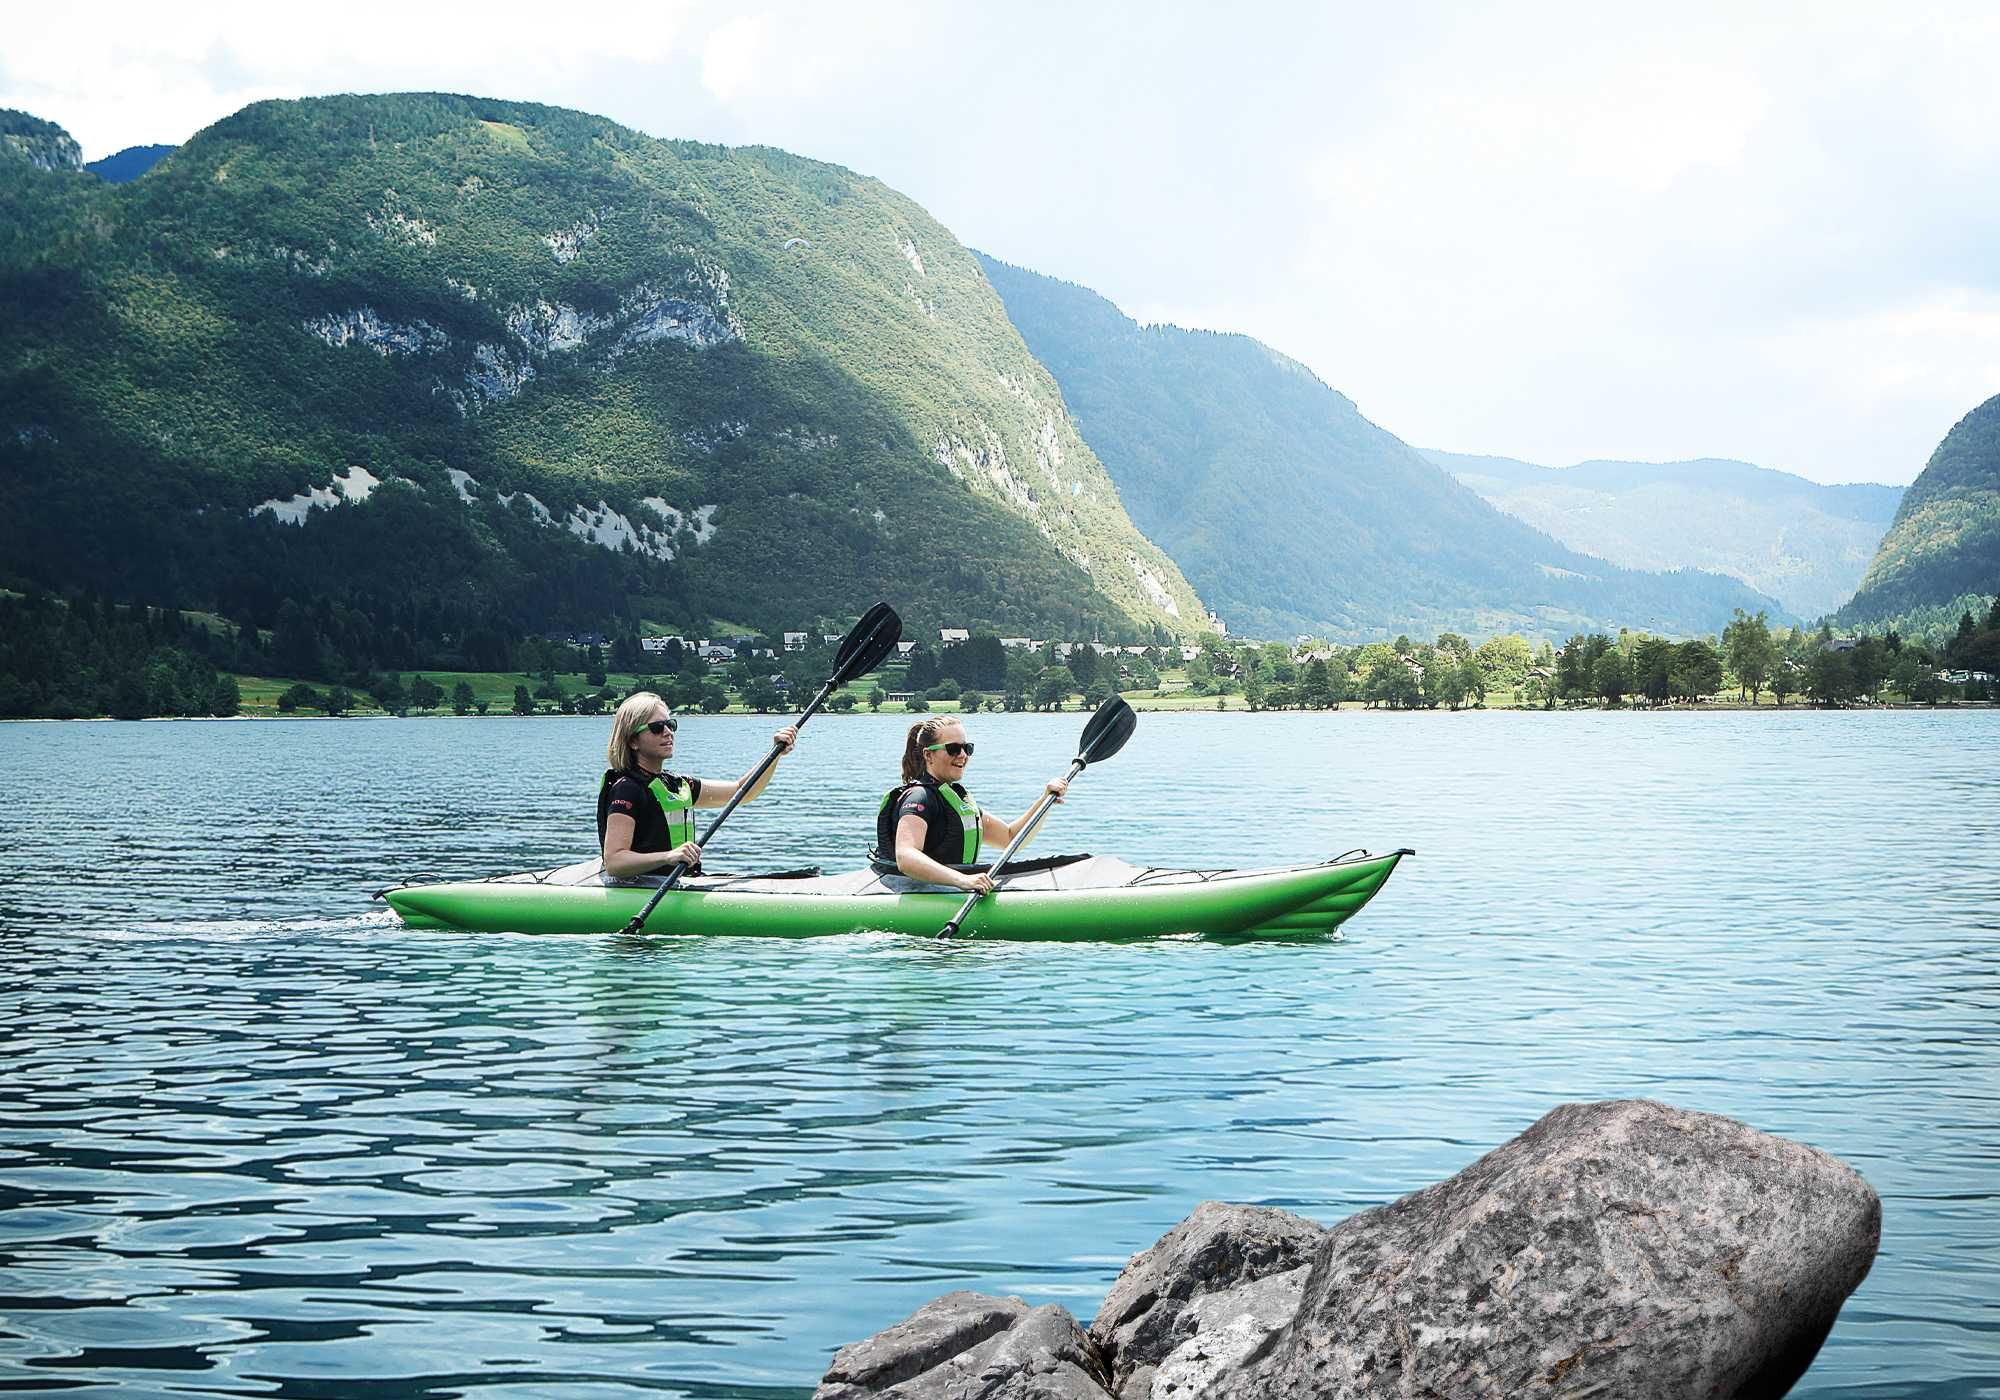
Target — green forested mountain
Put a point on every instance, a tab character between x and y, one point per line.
1945	542
1803	543
457	365
1293	513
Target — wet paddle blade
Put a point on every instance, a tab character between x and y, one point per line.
862	650
1107	731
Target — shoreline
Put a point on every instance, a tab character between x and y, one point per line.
1140	705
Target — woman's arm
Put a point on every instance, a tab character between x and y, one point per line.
623	863
911	860
716	792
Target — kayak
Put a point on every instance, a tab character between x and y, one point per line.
1057	898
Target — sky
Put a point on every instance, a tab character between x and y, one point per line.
1548	231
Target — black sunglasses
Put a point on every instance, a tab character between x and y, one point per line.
661	726
955	749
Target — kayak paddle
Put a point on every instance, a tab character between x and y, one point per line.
1106	733
873	638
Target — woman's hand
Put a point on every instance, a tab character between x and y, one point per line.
688	854
787	737
1057	787
982	883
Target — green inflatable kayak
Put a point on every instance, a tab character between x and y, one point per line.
1060	898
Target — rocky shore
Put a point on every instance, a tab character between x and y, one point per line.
1625	1249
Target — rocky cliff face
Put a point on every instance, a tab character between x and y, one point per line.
44	145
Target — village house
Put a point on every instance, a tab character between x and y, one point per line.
795	641
1016	643
950	635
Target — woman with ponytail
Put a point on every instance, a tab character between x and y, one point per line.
929	824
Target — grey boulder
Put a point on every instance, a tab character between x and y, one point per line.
1227	1327
1146	1314
971	1346
1625	1249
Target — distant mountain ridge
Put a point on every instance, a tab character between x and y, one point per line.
451	361
1804	543
1291	513
1945	541
128	164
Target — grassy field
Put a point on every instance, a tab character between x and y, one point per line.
495	688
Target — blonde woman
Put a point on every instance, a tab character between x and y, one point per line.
644	812
929	823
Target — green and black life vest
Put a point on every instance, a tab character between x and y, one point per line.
675	797
951	826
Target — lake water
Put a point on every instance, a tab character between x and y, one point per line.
257	1139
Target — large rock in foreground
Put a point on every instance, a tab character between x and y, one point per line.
1621	1249
1627	1250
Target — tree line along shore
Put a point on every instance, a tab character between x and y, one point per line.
79	657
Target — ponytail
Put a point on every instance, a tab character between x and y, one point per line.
921	734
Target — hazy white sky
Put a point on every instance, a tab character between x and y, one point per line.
1551	231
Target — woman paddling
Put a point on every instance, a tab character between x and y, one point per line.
644	820
930	822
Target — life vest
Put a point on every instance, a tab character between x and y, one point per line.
951	827
675	796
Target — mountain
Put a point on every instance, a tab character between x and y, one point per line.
1803	543
128	164
426	356
1945	541
1292	513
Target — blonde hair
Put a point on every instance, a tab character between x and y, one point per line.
921	733
631	717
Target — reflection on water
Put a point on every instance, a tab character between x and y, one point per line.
255	1138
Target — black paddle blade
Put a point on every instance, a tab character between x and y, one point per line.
862	649
1107	731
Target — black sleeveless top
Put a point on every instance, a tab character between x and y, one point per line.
944	828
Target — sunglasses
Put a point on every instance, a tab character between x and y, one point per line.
661	726
955	749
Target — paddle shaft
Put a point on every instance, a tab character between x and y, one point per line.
676	870
1039	811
